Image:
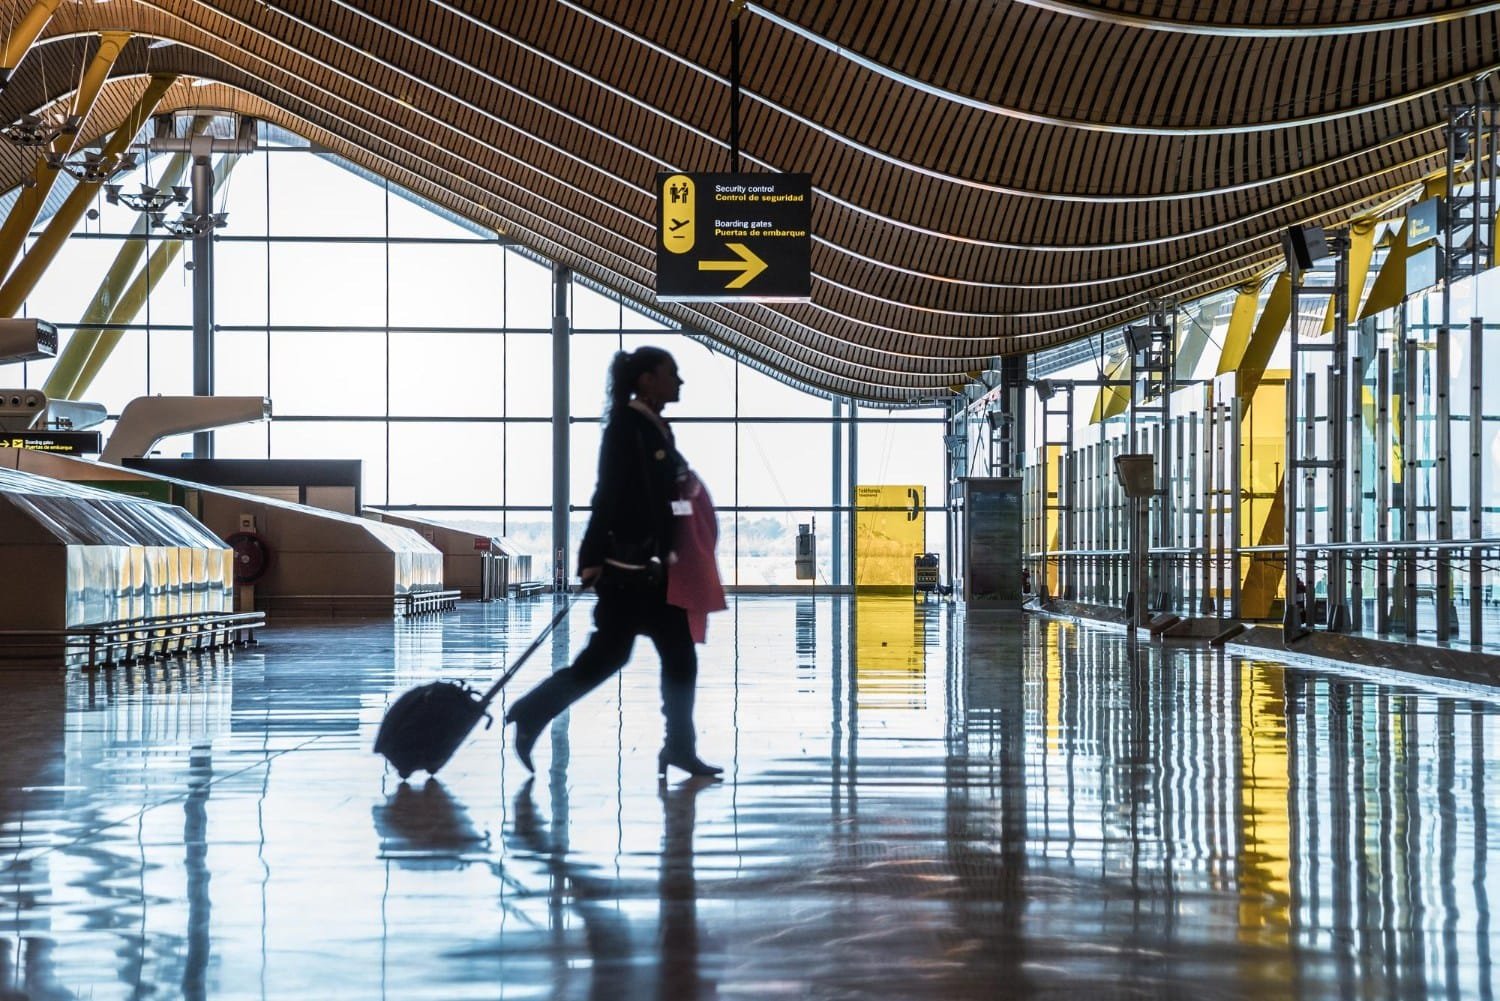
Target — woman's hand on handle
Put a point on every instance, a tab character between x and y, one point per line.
588	575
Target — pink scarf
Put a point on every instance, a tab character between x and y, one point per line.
693	573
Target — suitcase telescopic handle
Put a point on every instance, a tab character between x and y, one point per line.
510	672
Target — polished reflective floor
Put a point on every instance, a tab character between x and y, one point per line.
919	803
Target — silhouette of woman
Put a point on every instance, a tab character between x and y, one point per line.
623	555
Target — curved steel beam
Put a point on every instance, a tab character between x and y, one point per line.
1095	12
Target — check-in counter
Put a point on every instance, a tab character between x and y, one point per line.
76	556
317	562
480	566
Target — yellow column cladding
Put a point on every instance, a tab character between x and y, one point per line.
1361	252
20	283
30	201
129	304
25	33
1268	331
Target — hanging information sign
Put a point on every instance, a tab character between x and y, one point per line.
733	237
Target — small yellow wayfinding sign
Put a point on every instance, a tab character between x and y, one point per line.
733	237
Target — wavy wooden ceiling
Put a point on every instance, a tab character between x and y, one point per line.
991	177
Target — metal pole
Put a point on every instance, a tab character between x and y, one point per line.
1338	442
1383	489
853	482
1309	492
203	294
562	280
1409	474
1236	463
1212	571
1069	516
1291	622
1476	477
836	533
1354	464
1135	598
1443	528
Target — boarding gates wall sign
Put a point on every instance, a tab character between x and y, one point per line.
733	237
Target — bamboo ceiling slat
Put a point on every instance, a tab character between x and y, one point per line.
988	177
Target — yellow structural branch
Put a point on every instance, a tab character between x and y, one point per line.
129	304
23	35
1112	400
1268	331
29	204
21	281
1361	252
1241	323
1390	284
61	381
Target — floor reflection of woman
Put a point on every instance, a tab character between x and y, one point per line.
645	487
616	969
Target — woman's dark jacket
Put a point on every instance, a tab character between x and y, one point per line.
632	506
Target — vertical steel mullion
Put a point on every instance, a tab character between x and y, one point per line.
1196	489
1355	490
836	530
1155	567
1338	439
1309	492
1383	489
1409	475
1291	622
1070	513
1177	538
1236	462
1213	520
1476	478
562	280
1443	528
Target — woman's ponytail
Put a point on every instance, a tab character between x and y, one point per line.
621	381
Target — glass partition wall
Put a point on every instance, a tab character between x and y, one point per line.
386	330
1396	487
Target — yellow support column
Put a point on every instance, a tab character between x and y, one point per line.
1112	400
21	281
1241	323
23	35
125	310
1268	331
1390	284
1361	252
29	205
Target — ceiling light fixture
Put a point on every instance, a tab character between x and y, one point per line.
32	131
152	201
91	166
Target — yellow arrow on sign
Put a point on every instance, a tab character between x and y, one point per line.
748	264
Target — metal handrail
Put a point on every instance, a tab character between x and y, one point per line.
1416	545
1392	545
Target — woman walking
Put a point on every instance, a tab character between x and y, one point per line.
644	487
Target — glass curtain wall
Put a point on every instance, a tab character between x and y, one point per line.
1219	542
385	330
